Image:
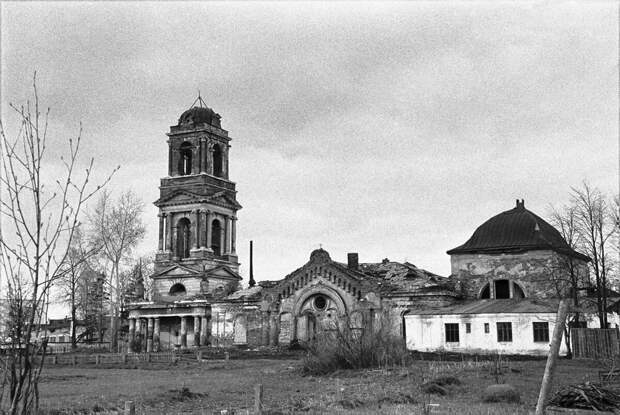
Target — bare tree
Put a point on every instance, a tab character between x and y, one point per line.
71	282
597	228
569	277
116	227
39	220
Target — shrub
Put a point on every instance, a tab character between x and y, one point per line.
345	348
501	393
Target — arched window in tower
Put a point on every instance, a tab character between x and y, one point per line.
183	238
185	159
216	237
218	161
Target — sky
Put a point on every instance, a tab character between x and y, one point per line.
388	129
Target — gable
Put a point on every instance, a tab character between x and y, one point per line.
308	275
223	272
179	197
177	271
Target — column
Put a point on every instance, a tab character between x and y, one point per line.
132	333
210	159
184	332
204	337
169	159
161	232
197	331
172	242
149	335
195	168
156	335
196	228
139	333
203	156
225	238
169	232
233	237
203	229
209	223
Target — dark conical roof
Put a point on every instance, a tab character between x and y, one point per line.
516	230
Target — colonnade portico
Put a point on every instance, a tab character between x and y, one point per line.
150	327
202	231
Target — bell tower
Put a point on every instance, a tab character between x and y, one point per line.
197	202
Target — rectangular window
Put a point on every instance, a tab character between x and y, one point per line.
486	328
452	333
467	327
504	332
541	331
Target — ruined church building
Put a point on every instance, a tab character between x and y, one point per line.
500	296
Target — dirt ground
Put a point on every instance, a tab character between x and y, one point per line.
212	386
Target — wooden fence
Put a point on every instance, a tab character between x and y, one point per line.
110	358
594	343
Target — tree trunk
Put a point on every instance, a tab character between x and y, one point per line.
73	313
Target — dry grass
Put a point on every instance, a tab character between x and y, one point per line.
217	385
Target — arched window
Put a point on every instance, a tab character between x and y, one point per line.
486	292
216	237
218	160
185	159
177	289
502	289
183	238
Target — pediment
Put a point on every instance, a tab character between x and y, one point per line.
180	197
223	199
177	271
223	272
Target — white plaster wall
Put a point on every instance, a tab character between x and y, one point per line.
427	333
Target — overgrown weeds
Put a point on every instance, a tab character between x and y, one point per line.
344	347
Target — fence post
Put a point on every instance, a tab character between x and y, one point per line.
130	408
97	359
73	360
226	356
199	355
124	358
258	399
54	359
148	358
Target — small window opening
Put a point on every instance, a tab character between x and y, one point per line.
467	327
452	333
502	289
218	161
320	302
185	159
183	238
178	289
486	328
504	332
541	331
216	237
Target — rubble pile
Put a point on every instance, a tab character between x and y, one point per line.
586	396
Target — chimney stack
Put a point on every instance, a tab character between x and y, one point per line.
352	260
252	283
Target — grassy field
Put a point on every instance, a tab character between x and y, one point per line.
216	385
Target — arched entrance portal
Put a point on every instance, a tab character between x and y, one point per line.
317	312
